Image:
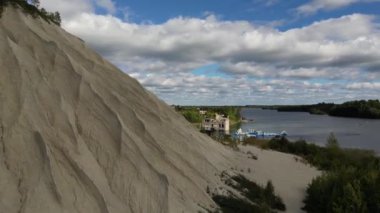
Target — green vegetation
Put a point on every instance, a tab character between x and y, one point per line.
350	183
191	113
360	109
321	108
233	112
32	8
349	189
255	198
192	116
259	142
356	109
329	158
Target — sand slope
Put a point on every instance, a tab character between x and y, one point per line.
289	176
78	135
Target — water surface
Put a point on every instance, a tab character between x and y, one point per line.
350	132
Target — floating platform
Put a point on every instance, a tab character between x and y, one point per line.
258	134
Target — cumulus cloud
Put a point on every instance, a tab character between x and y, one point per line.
343	42
316	5
185	88
68	8
255	62
364	85
71	8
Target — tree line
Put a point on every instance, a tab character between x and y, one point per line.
32	7
356	109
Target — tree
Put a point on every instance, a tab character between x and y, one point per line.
192	116
57	18
32	8
350	200
44	13
35	3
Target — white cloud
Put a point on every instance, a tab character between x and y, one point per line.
316	5
364	85
71	8
68	8
256	63
344	42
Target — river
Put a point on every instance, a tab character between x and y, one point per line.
350	132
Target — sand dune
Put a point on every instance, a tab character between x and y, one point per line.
289	176
78	135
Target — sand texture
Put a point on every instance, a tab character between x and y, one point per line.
79	135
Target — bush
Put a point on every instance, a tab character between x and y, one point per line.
231	204
192	116
256	197
347	190
261	143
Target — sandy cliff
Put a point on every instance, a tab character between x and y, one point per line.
78	135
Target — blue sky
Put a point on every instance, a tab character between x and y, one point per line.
236	51
257	11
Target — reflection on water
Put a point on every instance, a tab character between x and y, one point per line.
351	132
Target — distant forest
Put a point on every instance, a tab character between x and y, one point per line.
354	109
32	7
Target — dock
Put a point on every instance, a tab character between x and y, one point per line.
252	133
